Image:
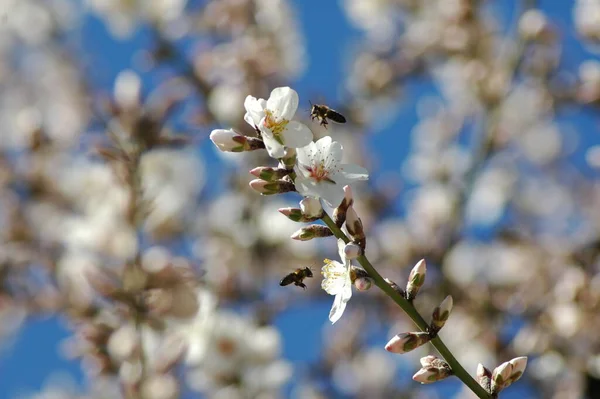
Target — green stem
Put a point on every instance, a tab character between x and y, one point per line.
410	310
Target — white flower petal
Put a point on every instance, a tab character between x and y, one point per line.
297	135
274	148
337	310
322	145
283	102
341	252
304	154
333	194
335	152
254	110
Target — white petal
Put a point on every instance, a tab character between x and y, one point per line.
323	144
283	102
341	246
304	154
337	310
304	185
354	172
274	148
254	110
331	193
297	135
336	152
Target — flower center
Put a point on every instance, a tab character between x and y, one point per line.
319	173
331	272
273	124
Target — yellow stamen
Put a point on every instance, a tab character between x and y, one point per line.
273	124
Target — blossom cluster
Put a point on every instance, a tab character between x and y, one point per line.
313	169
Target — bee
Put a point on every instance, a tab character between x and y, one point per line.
296	277
323	112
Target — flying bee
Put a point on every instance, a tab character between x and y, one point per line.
296	277
323	112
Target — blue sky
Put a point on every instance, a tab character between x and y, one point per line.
34	356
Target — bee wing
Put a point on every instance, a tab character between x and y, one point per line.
336	116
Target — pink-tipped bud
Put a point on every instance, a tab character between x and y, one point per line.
312	231
270	188
268	173
426	376
416	279
311	207
363	283
406	342
441	314
352	251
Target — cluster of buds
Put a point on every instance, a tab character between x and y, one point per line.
502	376
432	369
406	342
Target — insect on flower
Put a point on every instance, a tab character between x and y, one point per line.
323	112
297	277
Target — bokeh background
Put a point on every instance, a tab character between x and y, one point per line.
478	121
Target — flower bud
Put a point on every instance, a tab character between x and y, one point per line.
270	188
352	251
416	279
434	369
268	173
354	224
228	140
426	376
312	231
339	213
501	376
295	214
406	342
363	283
484	377
518	367
311	207
441	314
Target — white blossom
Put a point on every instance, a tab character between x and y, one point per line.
273	118
337	281
321	173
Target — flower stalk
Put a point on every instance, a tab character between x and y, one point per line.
415	316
